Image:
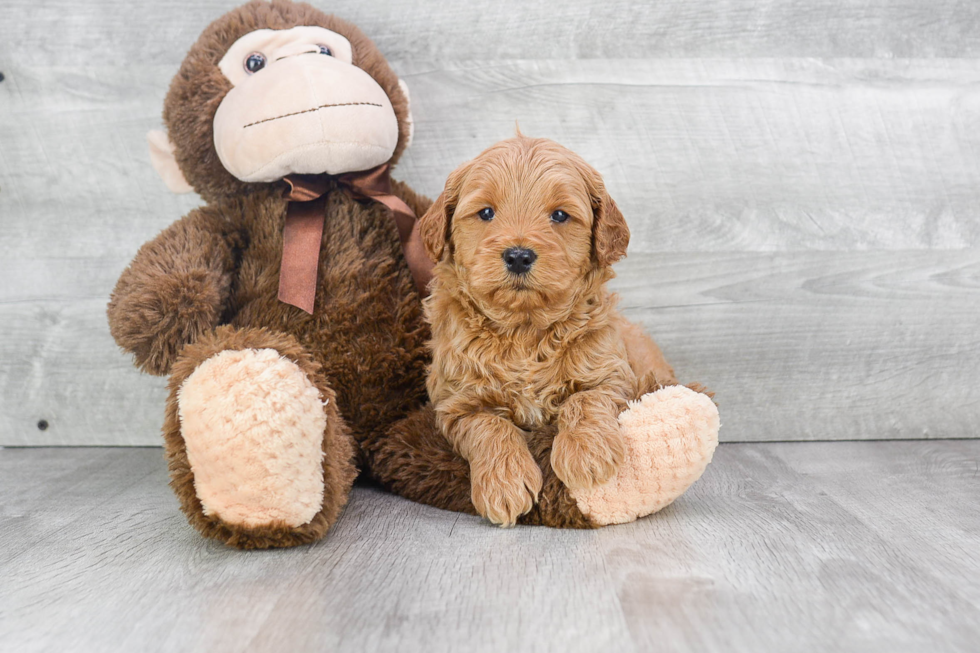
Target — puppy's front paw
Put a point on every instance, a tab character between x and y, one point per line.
505	486
584	460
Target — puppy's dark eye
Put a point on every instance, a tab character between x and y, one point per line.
486	214
559	216
255	62
325	50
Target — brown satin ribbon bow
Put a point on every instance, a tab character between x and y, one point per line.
303	230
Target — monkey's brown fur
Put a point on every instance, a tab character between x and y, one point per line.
365	342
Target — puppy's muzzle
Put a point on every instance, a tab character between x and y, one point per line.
519	260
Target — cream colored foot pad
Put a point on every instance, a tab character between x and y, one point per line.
253	425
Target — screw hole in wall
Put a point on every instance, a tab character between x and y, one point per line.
42	425
1	77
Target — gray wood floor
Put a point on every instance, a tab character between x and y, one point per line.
846	546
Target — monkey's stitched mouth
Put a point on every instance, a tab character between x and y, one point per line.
322	106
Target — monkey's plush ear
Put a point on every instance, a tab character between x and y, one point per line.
408	106
165	163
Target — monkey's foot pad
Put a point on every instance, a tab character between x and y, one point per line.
670	436
253	424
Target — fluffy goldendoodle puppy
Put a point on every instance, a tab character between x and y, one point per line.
524	331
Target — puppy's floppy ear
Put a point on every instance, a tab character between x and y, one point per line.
435	226
610	233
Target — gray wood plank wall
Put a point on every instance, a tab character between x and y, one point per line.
802	181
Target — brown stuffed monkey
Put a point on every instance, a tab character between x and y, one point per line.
286	310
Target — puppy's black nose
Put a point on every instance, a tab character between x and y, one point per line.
519	259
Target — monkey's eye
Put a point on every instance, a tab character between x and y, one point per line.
486	214
559	216
255	62
325	50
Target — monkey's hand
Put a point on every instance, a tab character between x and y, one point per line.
174	291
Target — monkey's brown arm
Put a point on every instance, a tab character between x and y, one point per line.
175	289
419	203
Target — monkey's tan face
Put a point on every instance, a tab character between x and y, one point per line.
299	105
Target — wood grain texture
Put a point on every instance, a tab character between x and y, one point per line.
50	32
801	346
743	155
820	345
701	155
758	149
847	546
